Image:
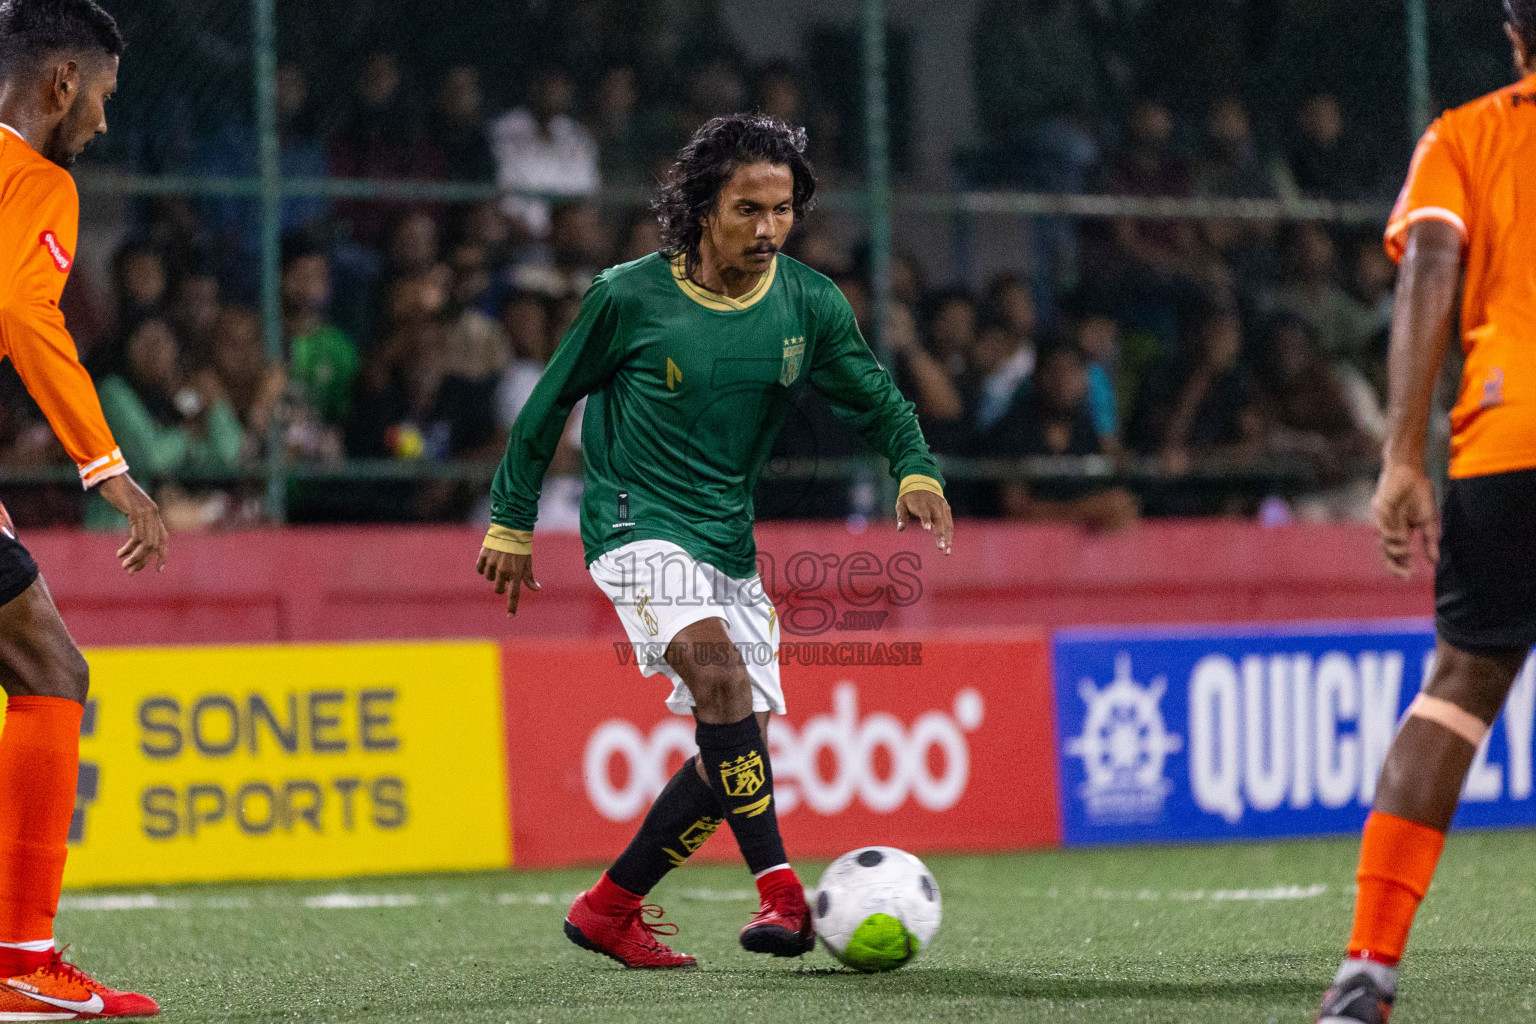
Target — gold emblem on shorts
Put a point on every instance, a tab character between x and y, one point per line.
643	609
743	777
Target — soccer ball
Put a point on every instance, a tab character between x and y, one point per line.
876	908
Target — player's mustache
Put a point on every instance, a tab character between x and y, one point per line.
763	249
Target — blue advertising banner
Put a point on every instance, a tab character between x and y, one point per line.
1256	732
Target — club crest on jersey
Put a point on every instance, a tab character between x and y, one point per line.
744	776
62	260
794	354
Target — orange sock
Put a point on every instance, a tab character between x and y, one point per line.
39	769
1397	860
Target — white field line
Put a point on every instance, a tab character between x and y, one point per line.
1273	894
361	901
366	900
720	895
141	901
535	899
1279	892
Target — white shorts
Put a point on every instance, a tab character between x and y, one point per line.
658	588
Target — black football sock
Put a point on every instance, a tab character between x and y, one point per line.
736	759
683	816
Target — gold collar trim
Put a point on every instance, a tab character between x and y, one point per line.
715	301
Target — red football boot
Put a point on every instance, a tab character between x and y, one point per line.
782	925
59	990
628	935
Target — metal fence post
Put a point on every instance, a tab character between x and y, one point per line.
1419	114
264	17
877	191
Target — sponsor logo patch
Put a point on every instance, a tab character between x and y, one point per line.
60	255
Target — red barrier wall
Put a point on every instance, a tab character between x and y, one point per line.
956	752
417	583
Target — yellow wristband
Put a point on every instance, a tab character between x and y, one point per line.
918	482
513	542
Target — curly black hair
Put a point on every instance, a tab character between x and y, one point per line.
721	146
33	29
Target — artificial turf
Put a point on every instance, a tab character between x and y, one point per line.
1218	934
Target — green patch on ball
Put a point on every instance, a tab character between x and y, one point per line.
881	943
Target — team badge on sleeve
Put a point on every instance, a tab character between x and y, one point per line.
56	251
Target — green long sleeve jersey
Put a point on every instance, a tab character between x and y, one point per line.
688	391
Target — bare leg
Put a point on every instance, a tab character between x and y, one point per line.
1405	831
38	657
703	655
1427	763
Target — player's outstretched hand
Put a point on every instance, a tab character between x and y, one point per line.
509	572
1405	504
147	536
933	512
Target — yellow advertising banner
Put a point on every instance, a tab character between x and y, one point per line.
201	764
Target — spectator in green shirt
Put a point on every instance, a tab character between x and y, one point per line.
322	360
168	424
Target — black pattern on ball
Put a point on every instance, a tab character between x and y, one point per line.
823	904
927	884
869	858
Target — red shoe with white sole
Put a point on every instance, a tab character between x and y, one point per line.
59	990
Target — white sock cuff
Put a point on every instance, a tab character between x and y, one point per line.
777	867
40	946
1381	974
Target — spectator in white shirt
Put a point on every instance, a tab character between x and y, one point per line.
541	148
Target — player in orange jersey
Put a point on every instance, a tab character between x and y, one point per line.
1469	206
58	65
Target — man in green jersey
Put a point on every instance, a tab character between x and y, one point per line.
692	358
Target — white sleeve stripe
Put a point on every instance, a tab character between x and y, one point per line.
105	474
1429	213
97	476
117	453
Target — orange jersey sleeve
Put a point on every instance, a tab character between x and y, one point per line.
1436	189
1471	170
39	226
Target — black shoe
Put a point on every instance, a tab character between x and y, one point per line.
1357	1000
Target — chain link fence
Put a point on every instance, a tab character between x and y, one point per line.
248	137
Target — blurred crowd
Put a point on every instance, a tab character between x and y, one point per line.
1175	357
1258	389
